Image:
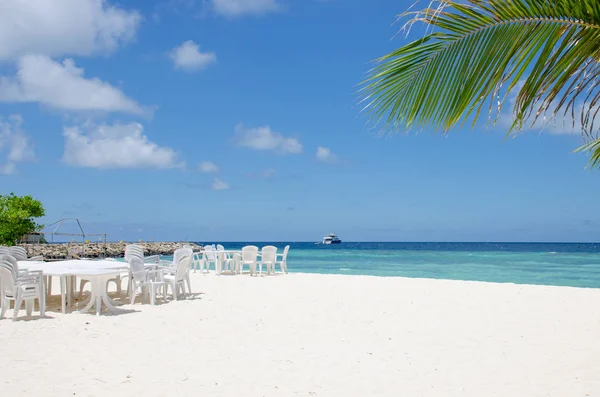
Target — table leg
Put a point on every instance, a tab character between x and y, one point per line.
108	302
98	305
89	305
69	290
63	296
98	295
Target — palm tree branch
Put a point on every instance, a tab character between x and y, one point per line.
485	49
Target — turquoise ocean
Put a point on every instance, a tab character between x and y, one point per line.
563	264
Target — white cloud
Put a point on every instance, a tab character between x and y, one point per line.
64	87
15	144
208	167
63	27
263	138
219	185
325	155
188	57
237	8
115	146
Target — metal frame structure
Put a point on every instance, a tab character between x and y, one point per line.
80	224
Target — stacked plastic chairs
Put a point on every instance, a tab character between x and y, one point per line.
20	254
18	286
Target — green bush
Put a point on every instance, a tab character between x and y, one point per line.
17	217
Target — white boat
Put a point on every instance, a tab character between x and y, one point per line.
331	239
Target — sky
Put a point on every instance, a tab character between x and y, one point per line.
239	120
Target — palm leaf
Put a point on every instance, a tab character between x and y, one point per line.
477	53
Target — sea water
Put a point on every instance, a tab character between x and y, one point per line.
564	264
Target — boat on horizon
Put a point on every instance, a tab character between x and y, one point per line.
331	239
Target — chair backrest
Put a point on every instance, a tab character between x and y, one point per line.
249	253
183	266
181	252
285	252
4	250
11	260
137	269
8	275
134	251
210	252
269	253
220	247
19	253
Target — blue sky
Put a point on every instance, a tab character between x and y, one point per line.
233	120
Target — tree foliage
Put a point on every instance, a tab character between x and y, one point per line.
542	54
17	217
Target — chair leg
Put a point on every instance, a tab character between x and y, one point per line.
18	302
132	293
5	305
28	307
189	284
42	304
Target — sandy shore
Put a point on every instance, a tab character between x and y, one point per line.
317	335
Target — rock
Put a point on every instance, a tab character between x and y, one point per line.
101	250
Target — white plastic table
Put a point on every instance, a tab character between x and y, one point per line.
97	272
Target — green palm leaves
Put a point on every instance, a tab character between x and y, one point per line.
545	53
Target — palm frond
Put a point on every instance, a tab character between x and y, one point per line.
478	53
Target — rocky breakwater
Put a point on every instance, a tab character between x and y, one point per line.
100	250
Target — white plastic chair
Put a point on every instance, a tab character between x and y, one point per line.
4	250
134	250
268	258
226	262
210	256
20	254
13	262
249	257
283	261
177	280
171	268
20	286
148	281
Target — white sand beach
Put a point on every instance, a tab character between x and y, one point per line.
317	335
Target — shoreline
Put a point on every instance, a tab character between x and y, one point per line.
292	271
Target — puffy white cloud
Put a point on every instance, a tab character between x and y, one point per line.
237	8
208	167
63	27
63	86
219	185
263	138
115	146
14	144
325	155
188	57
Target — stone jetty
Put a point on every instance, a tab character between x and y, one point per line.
101	250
